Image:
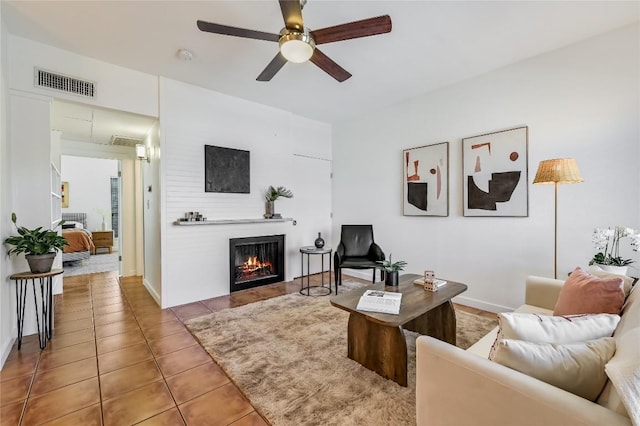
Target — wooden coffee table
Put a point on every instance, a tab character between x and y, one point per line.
377	341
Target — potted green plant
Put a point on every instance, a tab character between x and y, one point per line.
391	270
39	245
271	195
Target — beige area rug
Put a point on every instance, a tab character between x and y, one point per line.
289	357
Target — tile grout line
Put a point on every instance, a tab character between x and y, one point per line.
26	400
155	361
95	343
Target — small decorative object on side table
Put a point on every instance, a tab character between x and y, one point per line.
391	270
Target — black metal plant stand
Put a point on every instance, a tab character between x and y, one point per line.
44	315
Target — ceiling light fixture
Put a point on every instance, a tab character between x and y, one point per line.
295	46
184	54
141	151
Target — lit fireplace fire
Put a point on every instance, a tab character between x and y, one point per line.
253	268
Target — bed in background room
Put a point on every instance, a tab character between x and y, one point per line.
80	243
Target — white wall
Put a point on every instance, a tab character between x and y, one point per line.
151	214
7	291
285	150
89	187
581	101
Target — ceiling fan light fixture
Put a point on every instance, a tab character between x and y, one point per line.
297	47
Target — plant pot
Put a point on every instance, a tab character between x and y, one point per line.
268	209
319	242
40	263
619	270
391	279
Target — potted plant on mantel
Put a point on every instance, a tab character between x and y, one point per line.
271	195
39	246
391	270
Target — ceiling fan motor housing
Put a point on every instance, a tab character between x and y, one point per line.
296	46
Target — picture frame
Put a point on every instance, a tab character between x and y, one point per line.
495	174
425	180
227	170
64	195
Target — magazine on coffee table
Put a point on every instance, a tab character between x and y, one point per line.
384	302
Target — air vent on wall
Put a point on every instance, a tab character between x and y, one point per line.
125	141
65	83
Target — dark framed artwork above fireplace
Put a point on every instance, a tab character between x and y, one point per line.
226	170
256	261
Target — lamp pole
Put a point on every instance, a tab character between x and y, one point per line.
555	232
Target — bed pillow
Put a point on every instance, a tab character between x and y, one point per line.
584	293
536	328
575	367
68	224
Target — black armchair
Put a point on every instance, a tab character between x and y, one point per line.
357	250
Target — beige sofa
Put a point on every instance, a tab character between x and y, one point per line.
458	387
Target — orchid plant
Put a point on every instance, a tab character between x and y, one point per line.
607	242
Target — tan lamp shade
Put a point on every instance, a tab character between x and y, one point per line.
558	170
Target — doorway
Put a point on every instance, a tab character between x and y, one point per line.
94	136
93	191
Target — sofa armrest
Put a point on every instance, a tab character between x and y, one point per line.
454	387
542	292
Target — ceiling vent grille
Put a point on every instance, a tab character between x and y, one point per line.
125	141
65	83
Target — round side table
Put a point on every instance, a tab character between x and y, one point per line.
309	251
43	315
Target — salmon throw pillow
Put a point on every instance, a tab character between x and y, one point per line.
584	293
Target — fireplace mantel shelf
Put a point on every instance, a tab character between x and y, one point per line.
231	221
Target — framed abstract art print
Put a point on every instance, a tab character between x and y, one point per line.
495	174
426	180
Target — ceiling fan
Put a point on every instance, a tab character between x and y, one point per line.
298	43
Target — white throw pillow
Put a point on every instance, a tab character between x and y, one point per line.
624	371
575	367
554	329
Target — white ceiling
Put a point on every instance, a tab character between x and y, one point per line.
432	43
98	125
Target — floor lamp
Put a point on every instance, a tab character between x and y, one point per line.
558	170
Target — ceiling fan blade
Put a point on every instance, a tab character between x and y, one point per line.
327	65
274	66
292	14
363	28
238	32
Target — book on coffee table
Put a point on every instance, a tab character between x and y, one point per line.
435	282
385	302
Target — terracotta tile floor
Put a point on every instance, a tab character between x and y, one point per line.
116	358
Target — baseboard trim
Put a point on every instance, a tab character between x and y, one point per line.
152	291
479	304
6	347
364	274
